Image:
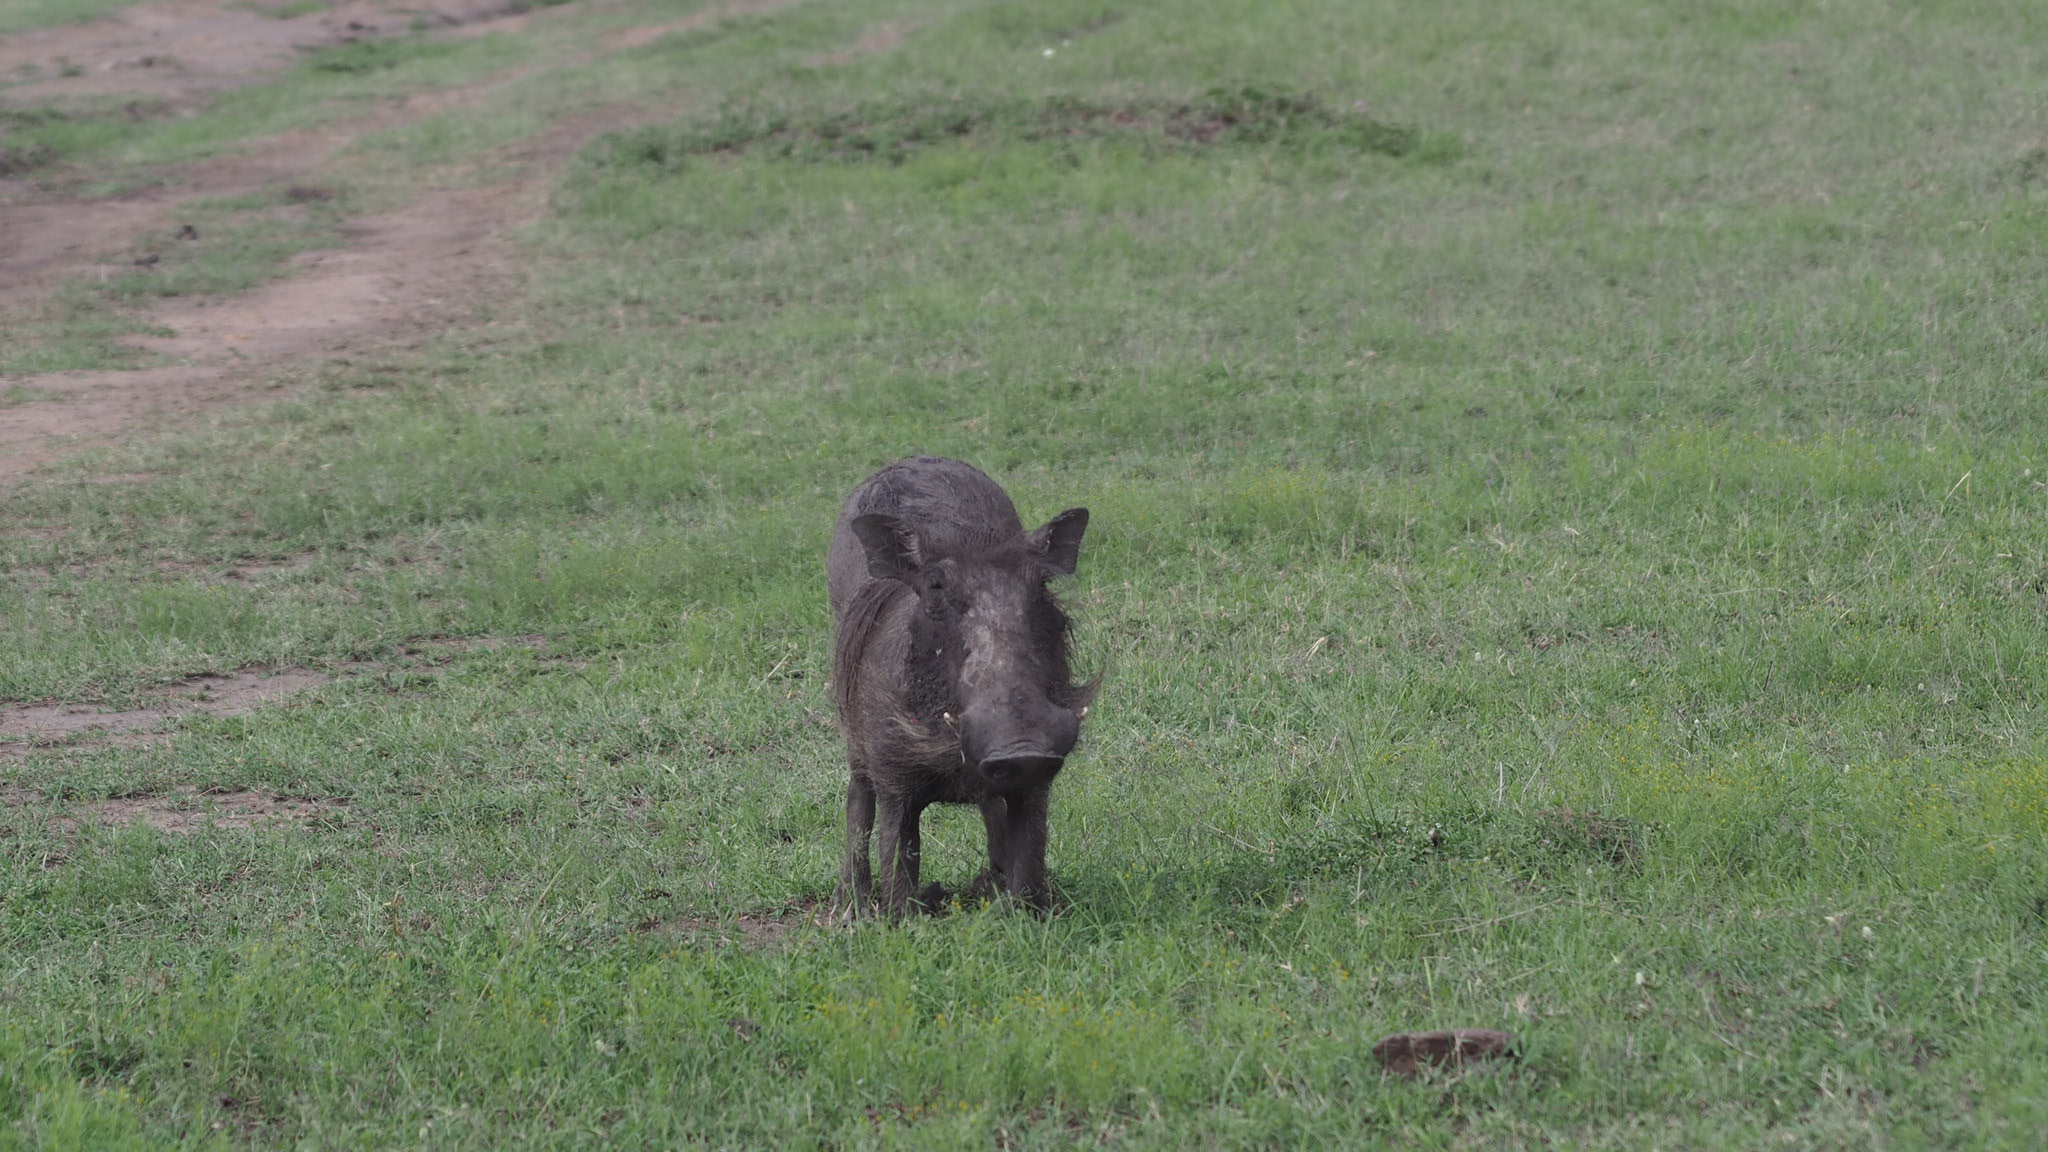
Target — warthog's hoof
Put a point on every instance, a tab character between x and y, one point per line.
1405	1053
985	887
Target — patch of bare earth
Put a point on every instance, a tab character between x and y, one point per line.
444	647
881	38
187	810
397	279
751	931
34	572
27	726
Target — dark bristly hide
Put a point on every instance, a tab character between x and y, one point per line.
950	673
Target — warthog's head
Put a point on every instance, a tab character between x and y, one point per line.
989	644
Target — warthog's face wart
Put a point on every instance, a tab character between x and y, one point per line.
987	624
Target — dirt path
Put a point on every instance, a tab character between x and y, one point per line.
180	51
397	276
169	58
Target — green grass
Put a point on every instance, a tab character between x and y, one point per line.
232	244
23	394
74	327
895	131
1581	573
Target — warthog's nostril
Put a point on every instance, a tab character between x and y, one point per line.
1023	771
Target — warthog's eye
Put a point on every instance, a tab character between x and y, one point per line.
942	602
940	595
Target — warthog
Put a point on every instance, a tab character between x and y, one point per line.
950	672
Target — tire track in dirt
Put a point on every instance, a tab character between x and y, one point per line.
398	276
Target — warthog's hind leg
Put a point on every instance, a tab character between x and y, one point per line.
856	880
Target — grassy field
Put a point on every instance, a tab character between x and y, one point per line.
1568	556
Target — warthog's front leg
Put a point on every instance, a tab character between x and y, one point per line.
1023	847
902	850
995	820
856	880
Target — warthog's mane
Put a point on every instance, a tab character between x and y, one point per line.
862	619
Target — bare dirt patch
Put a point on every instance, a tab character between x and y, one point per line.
446	647
232	694
31	574
882	38
1410	1055
188	810
1589	833
751	931
239	572
398	275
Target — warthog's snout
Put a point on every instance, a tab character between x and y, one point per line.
1020	772
1019	747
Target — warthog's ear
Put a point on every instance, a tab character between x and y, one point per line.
890	544
1060	540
